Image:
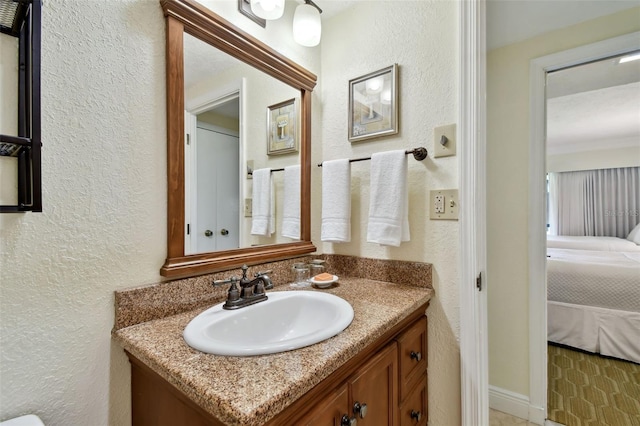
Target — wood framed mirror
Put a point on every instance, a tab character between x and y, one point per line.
189	17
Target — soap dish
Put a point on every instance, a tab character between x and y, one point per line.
324	284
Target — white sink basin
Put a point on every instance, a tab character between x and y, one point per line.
287	320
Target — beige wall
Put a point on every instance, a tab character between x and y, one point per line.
507	189
591	160
421	38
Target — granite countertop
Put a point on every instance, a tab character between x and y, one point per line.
251	390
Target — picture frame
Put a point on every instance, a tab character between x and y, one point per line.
282	127
373	104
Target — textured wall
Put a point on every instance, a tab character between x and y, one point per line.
104	220
507	179
421	38
103	225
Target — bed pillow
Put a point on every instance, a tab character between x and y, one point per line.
634	235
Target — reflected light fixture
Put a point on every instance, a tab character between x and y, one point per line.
268	9
307	27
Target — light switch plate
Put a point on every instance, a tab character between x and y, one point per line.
249	169
443	199
248	207
449	148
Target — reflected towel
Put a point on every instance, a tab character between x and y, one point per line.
389	199
291	203
263	214
336	201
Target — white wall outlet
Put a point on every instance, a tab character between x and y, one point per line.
443	204
248	207
444	141
439	204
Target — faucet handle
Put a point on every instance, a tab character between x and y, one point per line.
234	293
216	283
257	274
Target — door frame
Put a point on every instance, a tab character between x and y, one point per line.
538	69
474	365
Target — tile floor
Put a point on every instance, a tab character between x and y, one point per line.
498	418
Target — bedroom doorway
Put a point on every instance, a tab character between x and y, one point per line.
591	192
540	69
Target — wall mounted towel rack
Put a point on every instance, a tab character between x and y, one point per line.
419	154
272	170
22	19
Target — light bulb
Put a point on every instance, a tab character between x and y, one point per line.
268	9
307	27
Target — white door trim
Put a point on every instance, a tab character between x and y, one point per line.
472	170
537	204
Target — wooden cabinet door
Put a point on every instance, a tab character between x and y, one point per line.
376	385
414	409
329	411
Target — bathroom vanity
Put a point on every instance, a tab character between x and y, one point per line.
375	371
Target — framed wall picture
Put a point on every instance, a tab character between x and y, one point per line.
373	104
282	128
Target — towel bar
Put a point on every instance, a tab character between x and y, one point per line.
419	154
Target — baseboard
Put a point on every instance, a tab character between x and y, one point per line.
509	402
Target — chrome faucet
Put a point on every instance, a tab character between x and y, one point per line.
250	291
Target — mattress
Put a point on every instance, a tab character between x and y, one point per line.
592	243
594	278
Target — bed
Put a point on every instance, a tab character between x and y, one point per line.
592	243
593	300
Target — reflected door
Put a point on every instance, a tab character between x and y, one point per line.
217	188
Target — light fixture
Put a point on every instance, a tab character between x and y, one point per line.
633	57
307	27
268	9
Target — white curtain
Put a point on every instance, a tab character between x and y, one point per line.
594	202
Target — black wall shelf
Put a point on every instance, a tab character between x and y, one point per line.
23	19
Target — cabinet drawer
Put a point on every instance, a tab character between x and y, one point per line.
412	348
414	410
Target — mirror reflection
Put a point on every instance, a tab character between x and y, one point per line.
235	116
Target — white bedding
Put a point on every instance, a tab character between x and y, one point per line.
592	243
594	301
594	278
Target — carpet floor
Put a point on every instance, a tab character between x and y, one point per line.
586	389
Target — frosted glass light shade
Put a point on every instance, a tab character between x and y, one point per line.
268	9
307	27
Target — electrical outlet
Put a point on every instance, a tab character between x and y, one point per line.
248	207
443	204
444	141
439	204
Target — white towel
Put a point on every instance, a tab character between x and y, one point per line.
291	203
263	205
389	199
336	201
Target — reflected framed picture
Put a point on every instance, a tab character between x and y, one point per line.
373	104
282	128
